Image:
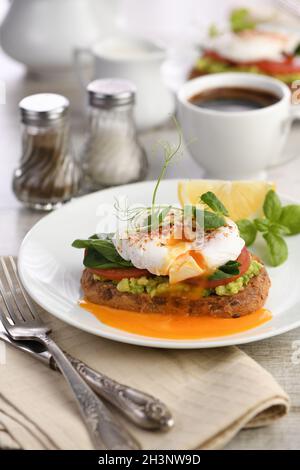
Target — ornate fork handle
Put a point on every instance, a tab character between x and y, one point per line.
105	430
143	409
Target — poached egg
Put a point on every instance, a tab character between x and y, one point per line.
180	259
254	45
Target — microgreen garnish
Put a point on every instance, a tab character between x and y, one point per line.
211	200
150	218
157	216
169	153
211	221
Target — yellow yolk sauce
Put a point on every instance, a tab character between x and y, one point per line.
175	326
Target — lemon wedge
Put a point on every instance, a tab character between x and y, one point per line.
243	199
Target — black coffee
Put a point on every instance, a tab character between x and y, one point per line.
232	99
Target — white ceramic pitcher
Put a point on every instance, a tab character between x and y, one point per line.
137	60
43	33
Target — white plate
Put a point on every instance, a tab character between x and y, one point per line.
50	270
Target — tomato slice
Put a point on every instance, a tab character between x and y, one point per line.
278	68
244	259
117	274
284	67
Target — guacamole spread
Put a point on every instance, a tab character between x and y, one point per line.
159	285
208	65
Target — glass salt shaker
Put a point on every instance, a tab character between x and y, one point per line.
112	154
48	174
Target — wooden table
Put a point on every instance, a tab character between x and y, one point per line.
274	354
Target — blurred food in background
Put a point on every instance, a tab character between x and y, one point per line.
251	43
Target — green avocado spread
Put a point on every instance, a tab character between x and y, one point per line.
210	65
159	285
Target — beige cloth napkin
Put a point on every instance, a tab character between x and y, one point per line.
212	393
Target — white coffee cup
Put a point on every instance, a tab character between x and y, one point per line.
236	144
139	61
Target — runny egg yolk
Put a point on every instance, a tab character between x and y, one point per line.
188	265
179	326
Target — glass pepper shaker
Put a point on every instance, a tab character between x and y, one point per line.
112	155
48	174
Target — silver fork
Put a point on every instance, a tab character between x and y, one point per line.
22	323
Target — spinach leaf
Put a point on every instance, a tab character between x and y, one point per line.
231	268
101	254
93	259
297	50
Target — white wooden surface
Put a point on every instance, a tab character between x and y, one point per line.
274	354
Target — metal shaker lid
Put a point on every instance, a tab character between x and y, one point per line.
43	107
110	92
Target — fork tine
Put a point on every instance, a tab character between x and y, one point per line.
8	304
21	306
4	320
32	310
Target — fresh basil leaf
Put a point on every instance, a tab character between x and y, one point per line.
272	206
262	225
240	20
247	231
297	50
290	218
279	229
277	248
211	200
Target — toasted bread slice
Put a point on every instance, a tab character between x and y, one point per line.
247	301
